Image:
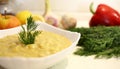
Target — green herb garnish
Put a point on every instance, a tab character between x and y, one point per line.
28	34
103	42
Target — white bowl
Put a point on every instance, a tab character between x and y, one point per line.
42	62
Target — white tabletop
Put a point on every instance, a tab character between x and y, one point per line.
81	62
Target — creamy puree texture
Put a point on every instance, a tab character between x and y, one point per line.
46	43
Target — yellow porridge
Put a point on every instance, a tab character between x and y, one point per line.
46	43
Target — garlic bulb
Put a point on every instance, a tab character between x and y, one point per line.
49	17
68	22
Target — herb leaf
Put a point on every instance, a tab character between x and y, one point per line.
28	34
101	41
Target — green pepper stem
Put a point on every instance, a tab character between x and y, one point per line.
91	8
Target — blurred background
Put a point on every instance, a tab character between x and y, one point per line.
76	8
60	5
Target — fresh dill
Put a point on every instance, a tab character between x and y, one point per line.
28	34
101	41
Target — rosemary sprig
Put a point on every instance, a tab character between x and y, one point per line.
28	34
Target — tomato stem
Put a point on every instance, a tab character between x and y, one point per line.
91	8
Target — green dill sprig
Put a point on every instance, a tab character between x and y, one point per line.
101	41
28	34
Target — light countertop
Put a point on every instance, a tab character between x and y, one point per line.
82	62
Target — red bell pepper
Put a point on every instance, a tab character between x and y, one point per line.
105	16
